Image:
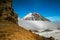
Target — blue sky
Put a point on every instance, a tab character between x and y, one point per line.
47	8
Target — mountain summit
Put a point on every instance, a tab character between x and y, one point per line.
34	16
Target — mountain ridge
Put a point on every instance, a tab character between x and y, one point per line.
34	16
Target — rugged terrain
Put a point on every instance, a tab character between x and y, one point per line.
11	31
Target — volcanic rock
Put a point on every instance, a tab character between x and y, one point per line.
34	17
6	11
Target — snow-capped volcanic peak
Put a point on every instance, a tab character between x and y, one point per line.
34	16
28	15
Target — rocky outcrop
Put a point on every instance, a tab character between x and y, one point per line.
6	11
11	31
8	29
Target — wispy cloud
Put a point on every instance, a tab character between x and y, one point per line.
54	18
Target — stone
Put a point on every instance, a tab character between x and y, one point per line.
6	11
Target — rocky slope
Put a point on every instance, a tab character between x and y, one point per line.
9	29
34	17
6	11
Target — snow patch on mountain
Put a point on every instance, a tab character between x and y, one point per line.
34	16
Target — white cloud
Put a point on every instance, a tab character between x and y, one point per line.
54	18
19	18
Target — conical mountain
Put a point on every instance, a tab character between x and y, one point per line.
34	16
